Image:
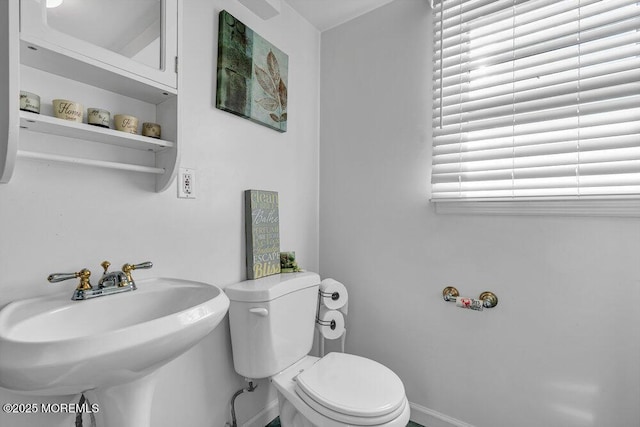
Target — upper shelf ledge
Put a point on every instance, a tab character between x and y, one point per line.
39	54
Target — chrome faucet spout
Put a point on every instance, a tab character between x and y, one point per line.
113	278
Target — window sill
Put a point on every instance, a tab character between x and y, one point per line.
629	208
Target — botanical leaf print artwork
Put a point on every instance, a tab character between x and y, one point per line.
274	87
252	75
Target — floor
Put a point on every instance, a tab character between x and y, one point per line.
276	423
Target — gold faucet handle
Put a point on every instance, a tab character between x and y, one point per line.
83	274
105	265
84	280
128	268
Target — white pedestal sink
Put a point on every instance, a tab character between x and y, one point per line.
112	345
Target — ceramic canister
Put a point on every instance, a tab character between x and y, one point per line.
98	117
126	123
152	130
68	110
29	102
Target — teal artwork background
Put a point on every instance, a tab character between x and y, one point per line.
252	75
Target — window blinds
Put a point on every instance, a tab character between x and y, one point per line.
536	99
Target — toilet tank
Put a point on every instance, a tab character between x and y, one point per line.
272	322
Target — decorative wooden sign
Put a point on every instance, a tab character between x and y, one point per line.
262	227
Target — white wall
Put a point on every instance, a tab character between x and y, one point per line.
562	347
55	217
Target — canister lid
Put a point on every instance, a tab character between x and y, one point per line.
271	287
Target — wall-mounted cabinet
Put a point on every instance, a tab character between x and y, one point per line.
89	52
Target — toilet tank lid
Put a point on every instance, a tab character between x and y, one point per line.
271	287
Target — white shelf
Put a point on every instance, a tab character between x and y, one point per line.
54	126
40	54
119	82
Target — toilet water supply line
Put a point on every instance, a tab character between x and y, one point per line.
251	388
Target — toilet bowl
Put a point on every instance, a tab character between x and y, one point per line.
272	323
340	390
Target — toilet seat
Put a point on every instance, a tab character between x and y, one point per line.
352	389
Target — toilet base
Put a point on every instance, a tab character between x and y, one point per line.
290	416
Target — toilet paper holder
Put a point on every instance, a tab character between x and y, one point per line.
331	324
489	299
333	295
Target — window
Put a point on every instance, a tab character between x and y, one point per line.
536	100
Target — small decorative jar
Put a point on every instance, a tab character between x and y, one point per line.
68	110
151	130
126	123
98	117
29	102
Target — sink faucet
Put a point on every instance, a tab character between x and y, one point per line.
110	283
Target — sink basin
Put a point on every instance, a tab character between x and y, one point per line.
112	344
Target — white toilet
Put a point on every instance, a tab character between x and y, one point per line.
272	325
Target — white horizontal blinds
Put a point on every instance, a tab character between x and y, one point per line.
536	99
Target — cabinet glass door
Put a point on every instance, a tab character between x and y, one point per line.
138	36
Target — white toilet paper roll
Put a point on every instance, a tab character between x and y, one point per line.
335	295
332	326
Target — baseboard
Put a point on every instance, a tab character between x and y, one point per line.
430	418
265	416
419	414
